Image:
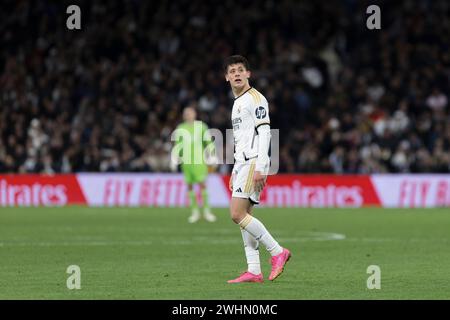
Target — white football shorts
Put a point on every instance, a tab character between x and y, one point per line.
243	181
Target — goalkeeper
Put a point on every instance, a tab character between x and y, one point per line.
192	145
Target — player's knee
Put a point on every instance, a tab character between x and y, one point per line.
237	214
236	217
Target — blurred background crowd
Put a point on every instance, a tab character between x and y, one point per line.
107	97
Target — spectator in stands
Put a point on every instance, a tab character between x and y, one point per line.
106	98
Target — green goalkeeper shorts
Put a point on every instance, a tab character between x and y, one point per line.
194	173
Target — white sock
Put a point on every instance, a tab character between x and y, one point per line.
251	252
260	233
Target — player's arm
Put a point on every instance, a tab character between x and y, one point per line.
262	126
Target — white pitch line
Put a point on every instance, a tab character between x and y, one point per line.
87	241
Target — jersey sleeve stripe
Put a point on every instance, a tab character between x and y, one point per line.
259	95
256	95
253	96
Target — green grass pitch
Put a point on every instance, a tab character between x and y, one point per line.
152	253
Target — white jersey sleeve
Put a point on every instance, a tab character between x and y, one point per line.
259	110
251	112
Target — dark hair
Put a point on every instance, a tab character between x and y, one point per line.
233	60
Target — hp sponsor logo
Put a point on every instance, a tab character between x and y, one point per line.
260	113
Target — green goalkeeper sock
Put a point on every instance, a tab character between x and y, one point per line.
193	199
205	199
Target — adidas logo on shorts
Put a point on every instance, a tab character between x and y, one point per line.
239	190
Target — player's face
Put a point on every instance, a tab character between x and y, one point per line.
237	75
189	114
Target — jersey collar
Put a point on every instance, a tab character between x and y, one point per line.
243	93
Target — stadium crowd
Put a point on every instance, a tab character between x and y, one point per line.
107	97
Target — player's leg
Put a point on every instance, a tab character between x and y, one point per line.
253	226
251	248
243	194
242	198
253	273
252	255
258	231
200	175
195	212
209	216
188	177
239	210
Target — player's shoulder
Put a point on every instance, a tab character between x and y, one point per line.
255	98
200	123
180	130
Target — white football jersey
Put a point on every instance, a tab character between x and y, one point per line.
250	110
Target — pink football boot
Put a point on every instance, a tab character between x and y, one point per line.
247	277
278	262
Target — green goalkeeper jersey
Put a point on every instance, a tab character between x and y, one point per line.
191	140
